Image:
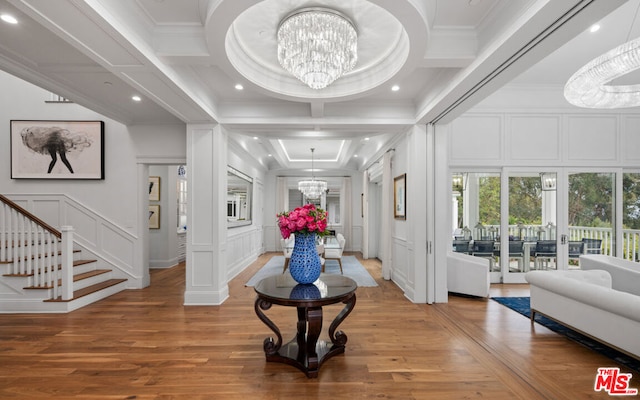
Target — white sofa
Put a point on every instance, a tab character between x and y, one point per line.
625	274
468	275
588	302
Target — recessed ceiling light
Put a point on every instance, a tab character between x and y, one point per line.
594	28
136	98
395	88
366	138
10	19
355	156
239	87
255	138
269	155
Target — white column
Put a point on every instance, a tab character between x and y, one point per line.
387	217
418	181
549	207
142	256
365	214
206	282
346	211
440	225
454	211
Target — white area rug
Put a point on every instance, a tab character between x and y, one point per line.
350	266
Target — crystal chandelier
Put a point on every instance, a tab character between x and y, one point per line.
312	189
317	45
588	87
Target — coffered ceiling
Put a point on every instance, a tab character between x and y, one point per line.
184	58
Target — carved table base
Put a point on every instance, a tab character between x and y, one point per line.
305	351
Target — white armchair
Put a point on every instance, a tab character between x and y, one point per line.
335	253
287	249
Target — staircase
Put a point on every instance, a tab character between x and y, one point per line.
42	270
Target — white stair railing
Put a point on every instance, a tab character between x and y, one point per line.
30	247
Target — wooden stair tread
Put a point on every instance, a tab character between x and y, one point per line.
90	274
76	278
89	289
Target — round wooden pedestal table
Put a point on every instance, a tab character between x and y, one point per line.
306	351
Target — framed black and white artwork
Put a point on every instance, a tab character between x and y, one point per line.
154	188
57	149
154	216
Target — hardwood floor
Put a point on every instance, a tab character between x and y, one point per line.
144	344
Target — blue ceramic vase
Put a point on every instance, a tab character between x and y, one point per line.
304	264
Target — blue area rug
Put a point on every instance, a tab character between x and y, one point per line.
350	266
522	305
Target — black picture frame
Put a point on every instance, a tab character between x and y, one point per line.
57	149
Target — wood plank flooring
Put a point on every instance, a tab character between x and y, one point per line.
144	344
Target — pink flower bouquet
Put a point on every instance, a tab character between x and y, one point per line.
306	219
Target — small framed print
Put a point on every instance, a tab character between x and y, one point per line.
400	196
57	149
154	217
154	188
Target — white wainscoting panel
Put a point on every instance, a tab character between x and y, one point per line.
272	238
243	248
476	138
356	241
631	139
202	273
400	262
592	138
534	138
85	224
117	247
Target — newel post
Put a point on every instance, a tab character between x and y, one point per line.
67	262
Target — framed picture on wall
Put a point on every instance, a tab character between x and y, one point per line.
57	149
154	216
400	197
154	188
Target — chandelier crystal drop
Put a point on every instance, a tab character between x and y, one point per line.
312	189
589	88
317	45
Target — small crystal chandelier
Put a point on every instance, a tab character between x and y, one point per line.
317	45
312	189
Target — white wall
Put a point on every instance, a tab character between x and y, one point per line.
24	101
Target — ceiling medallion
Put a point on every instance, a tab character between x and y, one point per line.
317	45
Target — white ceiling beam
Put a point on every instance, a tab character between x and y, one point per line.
317	109
450	48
